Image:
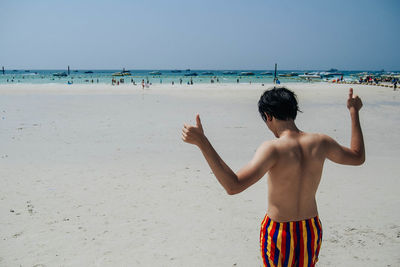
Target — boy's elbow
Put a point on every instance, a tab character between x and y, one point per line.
360	160
233	191
235	187
230	191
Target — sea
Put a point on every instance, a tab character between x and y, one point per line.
62	76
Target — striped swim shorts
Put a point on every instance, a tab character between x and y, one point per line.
290	243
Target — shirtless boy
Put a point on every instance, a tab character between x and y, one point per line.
291	232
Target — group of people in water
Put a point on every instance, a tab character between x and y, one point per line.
147	83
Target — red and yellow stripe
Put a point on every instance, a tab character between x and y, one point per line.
290	243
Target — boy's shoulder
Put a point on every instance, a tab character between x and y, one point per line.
318	138
305	138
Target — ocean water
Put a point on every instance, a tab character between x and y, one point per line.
166	76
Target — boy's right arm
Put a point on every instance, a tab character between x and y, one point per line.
355	155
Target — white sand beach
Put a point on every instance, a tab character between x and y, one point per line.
97	175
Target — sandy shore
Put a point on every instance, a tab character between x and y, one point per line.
96	175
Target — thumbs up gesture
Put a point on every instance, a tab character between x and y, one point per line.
353	102
193	134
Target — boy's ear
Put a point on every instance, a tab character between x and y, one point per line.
269	117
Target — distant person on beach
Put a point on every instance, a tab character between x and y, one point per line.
291	232
143	84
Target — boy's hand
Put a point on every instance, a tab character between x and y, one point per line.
354	103
193	134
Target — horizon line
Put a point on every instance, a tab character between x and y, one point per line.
200	69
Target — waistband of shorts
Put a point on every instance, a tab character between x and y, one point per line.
316	218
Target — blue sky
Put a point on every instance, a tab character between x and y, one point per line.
149	34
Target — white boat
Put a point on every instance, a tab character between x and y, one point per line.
155	73
331	73
310	75
60	74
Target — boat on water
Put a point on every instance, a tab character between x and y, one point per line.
313	75
126	72
155	73
207	73
291	74
191	74
331	73
89	71
229	72
60	74
247	73
122	73
176	71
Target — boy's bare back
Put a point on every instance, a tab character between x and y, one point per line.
294	179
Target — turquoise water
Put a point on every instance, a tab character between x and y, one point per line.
166	76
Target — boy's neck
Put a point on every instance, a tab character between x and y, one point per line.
283	128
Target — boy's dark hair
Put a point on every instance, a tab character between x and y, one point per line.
278	102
